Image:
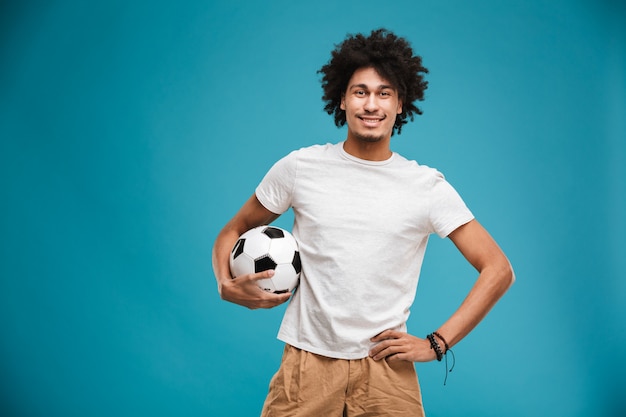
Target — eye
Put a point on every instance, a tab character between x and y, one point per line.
360	93
385	93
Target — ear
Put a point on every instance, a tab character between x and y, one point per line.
342	106
399	107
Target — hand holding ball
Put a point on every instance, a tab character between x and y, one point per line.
268	247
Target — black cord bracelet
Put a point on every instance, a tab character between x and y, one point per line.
444	342
435	346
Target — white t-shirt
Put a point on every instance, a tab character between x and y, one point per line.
362	228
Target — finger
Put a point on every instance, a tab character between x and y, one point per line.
269	300
397	357
281	298
387	352
386	334
262	275
378	349
264	304
380	336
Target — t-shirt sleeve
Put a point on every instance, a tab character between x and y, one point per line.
448	210
275	191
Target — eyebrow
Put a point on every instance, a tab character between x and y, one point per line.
365	87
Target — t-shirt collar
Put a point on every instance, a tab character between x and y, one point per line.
353	158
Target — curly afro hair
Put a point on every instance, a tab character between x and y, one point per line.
391	56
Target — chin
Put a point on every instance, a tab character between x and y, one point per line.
369	138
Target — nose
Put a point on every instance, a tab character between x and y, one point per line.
371	103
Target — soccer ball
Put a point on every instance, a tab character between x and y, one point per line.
268	247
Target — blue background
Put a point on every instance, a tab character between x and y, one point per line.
132	131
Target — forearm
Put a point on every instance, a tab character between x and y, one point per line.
243	290
221	253
251	214
490	286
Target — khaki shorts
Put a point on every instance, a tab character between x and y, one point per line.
307	384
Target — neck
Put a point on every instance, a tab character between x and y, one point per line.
378	150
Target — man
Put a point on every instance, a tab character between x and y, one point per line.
363	215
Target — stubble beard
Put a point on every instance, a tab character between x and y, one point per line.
368	138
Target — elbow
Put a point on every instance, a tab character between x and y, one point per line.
508	275
501	276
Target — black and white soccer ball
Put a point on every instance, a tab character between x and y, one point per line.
268	247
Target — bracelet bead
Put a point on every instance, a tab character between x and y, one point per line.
435	346
440	354
444	342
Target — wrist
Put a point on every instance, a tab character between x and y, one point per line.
435	346
442	342
436	341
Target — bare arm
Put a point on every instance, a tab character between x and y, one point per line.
243	290
494	279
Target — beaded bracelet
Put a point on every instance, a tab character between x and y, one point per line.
435	346
444	342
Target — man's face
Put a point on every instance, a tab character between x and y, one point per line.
371	104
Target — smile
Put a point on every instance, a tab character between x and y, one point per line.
371	120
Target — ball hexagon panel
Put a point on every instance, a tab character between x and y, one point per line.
256	245
282	250
267	285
